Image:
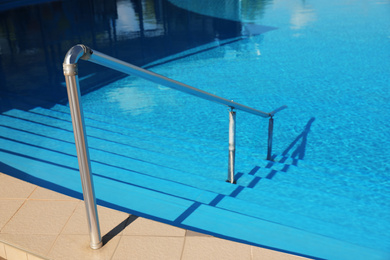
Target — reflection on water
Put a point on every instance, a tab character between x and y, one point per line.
249	11
35	38
302	16
127	20
131	99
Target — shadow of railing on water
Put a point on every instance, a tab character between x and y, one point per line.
300	150
296	155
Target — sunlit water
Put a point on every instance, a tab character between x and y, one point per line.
329	61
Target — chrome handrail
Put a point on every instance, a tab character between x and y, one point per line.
72	82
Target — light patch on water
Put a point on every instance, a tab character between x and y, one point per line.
127	19
132	100
302	17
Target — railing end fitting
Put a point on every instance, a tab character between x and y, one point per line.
75	53
87	52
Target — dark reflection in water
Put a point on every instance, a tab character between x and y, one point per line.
237	10
34	40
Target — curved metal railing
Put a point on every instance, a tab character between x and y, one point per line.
72	82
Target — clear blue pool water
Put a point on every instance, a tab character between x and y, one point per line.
328	61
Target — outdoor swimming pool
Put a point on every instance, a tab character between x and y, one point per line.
332	73
328	61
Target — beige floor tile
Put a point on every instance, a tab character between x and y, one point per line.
37	244
12	188
146	227
149	248
8	208
2	250
109	219
259	253
45	194
40	217
202	248
70	247
14	253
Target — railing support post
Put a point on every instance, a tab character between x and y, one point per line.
72	83
270	134
232	145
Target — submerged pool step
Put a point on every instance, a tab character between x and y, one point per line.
142	174
246	158
329	208
148	130
133	158
206	155
52	147
141	139
357	208
315	186
298	196
42	155
139	173
321	194
201	144
54	139
203	152
130	158
120	156
264	208
195	215
140	181
117	143
355	187
337	173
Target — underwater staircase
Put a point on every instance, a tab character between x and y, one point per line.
287	205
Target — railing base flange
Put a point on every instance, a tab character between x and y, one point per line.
96	246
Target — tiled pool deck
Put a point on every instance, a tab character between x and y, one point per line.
36	223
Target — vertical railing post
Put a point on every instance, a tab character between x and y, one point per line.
270	134
232	145
72	83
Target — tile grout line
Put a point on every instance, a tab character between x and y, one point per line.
62	229
36	187
16	212
120	238
184	244
8	244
